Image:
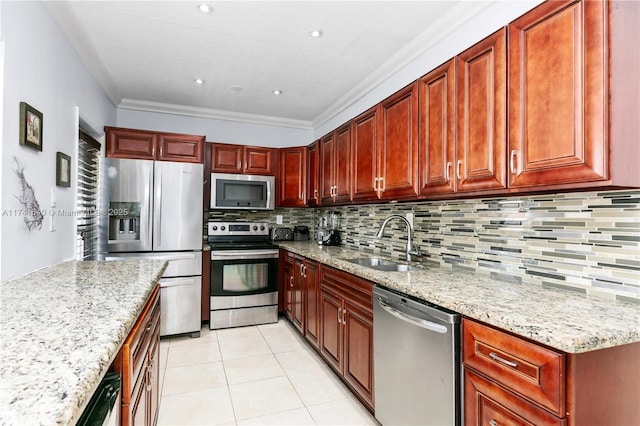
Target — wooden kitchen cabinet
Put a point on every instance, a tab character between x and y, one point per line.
511	380
301	281
311	302
365	161
385	149
242	159
148	145
558	89
313	174
292	177
335	166
398	145
463	121
346	329
139	366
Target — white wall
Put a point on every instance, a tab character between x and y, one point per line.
216	130
42	69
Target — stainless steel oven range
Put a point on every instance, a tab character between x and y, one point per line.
244	274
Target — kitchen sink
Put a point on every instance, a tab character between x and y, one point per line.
382	264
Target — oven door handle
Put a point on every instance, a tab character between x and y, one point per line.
244	254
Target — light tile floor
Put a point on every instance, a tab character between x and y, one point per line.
259	375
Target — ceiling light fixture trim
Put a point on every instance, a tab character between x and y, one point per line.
205	8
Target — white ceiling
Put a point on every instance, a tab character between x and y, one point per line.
146	54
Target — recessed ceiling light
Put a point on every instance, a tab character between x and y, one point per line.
205	8
316	33
198	81
277	92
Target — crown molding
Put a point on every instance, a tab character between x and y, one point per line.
217	114
428	39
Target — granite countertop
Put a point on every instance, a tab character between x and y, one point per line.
60	330
566	320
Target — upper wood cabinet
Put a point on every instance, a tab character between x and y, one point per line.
463	121
398	145
313	172
365	166
558	95
292	177
251	160
335	155
147	145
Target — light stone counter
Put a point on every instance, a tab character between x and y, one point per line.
60	330
566	320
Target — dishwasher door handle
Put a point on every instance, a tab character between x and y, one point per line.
428	325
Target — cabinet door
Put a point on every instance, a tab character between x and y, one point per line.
327	153
292	177
313	162
331	340
139	403
482	114
558	95
487	404
226	158
130	143
298	288
437	96
398	150
258	160
342	164
183	148
364	159
154	377
288	290
358	350
311	303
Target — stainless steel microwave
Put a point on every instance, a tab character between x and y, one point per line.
235	191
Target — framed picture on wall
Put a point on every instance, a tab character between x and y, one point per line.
30	127
63	169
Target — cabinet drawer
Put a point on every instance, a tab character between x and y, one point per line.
488	404
532	371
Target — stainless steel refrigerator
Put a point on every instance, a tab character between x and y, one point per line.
153	209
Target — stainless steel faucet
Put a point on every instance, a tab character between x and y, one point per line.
410	249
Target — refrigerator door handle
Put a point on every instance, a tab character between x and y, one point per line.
158	209
147	196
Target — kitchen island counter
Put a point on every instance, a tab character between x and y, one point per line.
567	320
60	330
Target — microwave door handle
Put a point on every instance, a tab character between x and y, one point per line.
268	194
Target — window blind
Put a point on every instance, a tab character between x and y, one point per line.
87	197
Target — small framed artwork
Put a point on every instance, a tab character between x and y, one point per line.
63	169
30	127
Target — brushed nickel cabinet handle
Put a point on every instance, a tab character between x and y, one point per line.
493	423
499	359
344	316
512	161
448	172
458	165
339	315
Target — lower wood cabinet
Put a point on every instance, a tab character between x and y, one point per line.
139	364
512	381
333	310
346	329
301	290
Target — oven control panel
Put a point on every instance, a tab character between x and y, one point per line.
221	229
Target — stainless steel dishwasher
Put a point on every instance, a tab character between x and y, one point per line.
416	361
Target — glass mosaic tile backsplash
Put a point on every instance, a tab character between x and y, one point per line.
586	241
